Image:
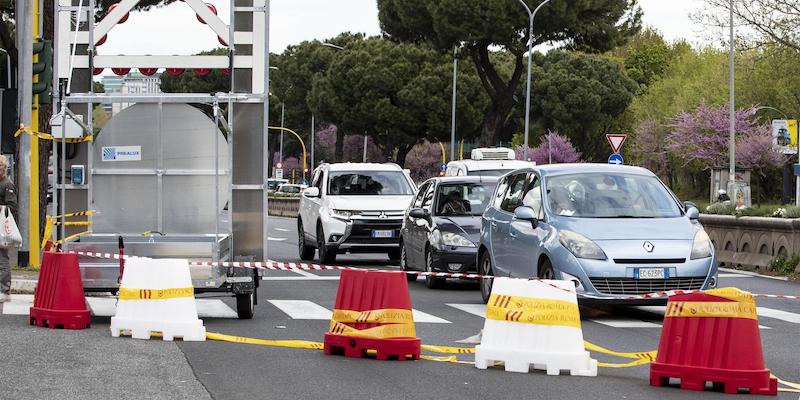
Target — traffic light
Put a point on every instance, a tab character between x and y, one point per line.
43	70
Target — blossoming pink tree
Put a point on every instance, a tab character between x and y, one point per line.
555	144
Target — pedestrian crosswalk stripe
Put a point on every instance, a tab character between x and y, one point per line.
302	309
474	309
20	304
723	275
778	314
625	323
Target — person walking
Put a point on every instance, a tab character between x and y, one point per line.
8	198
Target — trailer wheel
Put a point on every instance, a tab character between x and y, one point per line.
244	305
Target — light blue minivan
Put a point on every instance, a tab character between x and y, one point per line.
612	230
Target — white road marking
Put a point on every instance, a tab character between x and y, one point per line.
20	304
474	309
626	323
107	306
302	309
734	276
778	314
304	275
420	316
275	239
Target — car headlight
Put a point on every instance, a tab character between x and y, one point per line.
341	214
451	239
580	246
702	246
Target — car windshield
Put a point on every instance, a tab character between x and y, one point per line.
368	183
610	195
488	172
463	198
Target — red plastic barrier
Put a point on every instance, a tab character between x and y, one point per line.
58	301
372	296
712	337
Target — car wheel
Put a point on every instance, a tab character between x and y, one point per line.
244	305
404	263
486	270
306	251
546	270
326	255
432	282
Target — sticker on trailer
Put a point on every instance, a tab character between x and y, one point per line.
122	153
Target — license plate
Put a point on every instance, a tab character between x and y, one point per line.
382	234
651	273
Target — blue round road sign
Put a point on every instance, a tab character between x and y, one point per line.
616	158
443	167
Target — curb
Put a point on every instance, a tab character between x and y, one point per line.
738	271
23	286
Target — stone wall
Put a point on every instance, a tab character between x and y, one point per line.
751	242
284	206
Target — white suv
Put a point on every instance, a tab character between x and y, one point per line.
353	207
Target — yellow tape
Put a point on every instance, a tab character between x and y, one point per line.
379	332
640	358
48	231
721	309
451	359
155	294
734	294
292	344
383	316
787	383
74	223
47	136
75	214
448	350
72	237
531	310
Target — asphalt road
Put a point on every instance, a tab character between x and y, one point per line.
297	306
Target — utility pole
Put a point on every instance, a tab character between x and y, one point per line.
313	133
282	127
365	147
24	27
453	112
731	117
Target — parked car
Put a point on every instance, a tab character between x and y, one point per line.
494	161
273	183
612	230
441	229
355	208
290	188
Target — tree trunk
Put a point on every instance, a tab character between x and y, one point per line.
402	152
493	123
501	93
338	155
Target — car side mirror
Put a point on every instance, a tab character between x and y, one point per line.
525	213
311	192
689	204
693	213
419	213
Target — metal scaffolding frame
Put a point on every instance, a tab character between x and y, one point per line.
252	68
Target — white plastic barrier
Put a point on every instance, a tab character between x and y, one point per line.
157	296
534	323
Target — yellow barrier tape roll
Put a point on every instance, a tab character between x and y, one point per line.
448	350
155	294
451	359
703	309
47	136
383	316
292	344
640	358
531	310
379	332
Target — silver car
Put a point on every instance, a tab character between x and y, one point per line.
612	230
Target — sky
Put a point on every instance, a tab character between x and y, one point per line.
293	21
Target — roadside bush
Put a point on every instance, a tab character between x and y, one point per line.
791	212
756	212
720	209
784	265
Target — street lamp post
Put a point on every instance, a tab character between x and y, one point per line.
531	16
453	112
731	116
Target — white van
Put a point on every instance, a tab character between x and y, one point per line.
495	161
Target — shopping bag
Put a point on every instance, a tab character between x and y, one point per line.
9	232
